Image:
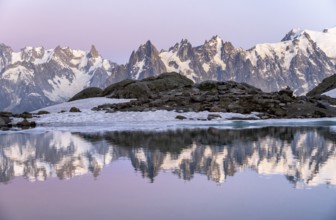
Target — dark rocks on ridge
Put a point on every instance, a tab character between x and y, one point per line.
148	87
90	92
6	121
172	91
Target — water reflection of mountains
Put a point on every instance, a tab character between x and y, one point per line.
306	156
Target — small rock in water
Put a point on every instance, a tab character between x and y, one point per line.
213	116
180	117
26	124
4	121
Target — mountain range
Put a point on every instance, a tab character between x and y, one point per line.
33	78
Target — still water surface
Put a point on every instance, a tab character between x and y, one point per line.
264	173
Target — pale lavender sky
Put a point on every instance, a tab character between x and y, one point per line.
117	27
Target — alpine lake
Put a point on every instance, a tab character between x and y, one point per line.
246	173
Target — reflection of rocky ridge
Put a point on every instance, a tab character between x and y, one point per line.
304	155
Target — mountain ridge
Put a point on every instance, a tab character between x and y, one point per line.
36	77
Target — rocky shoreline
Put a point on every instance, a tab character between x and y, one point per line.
172	91
24	121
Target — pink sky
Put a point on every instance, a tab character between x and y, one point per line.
120	26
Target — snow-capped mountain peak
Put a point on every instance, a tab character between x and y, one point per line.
325	40
293	34
36	77
144	61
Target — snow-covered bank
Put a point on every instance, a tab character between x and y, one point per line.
83	104
94	121
89	120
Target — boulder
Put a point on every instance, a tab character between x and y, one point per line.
74	109
180	117
43	112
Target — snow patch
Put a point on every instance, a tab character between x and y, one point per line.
83	104
331	93
139	66
16	57
218	57
326	41
16	73
206	67
184	67
45	59
107	65
34	94
98	63
64	88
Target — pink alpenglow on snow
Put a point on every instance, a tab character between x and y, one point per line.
117	27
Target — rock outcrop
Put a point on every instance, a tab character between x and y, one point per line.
148	87
90	92
171	91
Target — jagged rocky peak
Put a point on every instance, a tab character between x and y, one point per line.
63	54
5	49
58	51
63	50
32	53
294	33
214	45
173	49
150	50
182	44
93	53
215	40
5	56
145	52
228	47
185	44
185	50
145	62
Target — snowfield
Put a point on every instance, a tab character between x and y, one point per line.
100	121
89	120
83	104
